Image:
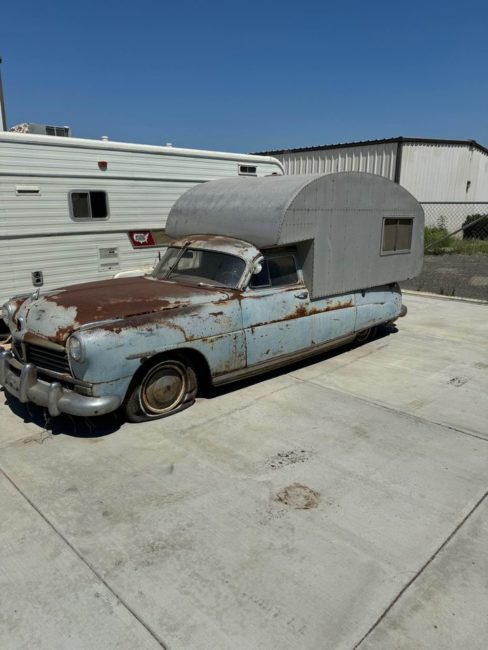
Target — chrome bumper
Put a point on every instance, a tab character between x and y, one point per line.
55	397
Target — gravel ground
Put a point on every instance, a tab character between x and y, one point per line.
465	276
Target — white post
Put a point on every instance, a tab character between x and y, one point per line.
3	117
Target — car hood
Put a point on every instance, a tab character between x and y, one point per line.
56	314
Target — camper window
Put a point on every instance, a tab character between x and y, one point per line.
397	236
86	205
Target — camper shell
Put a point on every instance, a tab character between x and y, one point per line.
345	225
262	272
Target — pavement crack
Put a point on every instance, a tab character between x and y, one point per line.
237	409
73	548
392	409
421	570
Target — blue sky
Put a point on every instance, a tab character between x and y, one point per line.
248	76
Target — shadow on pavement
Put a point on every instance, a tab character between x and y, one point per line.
211	392
65	424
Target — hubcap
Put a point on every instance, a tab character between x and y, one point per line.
163	388
363	336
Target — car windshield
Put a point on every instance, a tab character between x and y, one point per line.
200	267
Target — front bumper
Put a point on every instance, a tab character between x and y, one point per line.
55	397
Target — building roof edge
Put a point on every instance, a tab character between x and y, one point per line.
470	143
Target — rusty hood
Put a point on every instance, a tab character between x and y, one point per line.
56	314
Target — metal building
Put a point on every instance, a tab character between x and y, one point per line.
449	177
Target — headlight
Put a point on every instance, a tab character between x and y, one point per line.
8	311
76	349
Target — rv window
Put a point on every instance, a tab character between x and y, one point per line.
89	205
397	235
248	170
98	202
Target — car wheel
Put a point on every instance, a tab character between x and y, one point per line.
366	335
163	388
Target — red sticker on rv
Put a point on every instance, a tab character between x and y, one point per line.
141	238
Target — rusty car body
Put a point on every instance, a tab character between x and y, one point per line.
218	308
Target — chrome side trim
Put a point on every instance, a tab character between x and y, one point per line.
283	360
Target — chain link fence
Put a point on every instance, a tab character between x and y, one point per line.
456	227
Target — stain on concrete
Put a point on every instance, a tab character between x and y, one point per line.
284	458
458	381
299	497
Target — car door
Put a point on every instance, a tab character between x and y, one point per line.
275	310
332	318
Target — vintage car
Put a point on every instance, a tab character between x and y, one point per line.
283	268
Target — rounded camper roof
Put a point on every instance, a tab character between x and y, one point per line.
276	210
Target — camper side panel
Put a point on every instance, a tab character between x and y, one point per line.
345	216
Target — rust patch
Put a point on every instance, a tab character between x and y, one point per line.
299	497
302	311
298	313
339	305
39	339
122	298
216	313
129	302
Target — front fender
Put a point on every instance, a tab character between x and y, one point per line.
116	350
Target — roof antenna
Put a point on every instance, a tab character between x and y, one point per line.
3	117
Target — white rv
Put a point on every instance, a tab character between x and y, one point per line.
74	210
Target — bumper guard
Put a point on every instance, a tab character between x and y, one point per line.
55	397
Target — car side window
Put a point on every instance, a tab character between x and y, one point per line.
277	271
282	270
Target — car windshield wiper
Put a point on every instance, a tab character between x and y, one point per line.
183	249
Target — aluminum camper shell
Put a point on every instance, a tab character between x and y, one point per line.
342	222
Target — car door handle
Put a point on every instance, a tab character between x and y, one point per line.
303	295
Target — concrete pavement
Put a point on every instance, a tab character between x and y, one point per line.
340	503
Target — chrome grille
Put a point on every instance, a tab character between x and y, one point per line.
17	350
47	358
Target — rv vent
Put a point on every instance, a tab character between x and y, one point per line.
42	129
58	130
26	190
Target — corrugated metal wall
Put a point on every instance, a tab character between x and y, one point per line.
451	180
444	172
373	158
431	172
